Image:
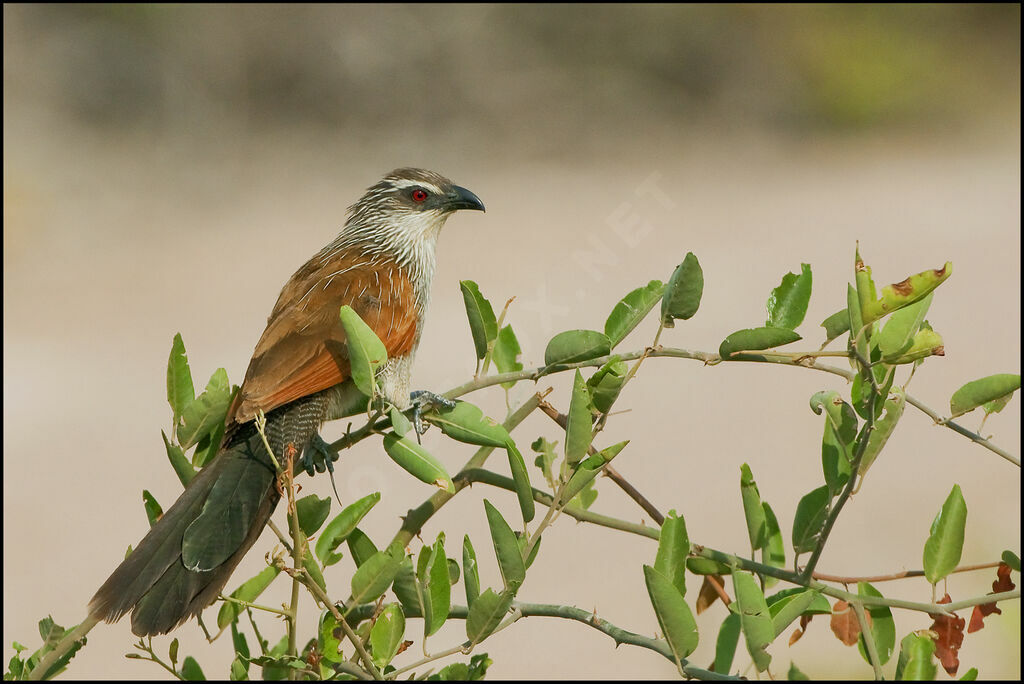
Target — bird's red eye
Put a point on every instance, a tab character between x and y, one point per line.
419	195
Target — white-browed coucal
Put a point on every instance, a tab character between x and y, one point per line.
382	265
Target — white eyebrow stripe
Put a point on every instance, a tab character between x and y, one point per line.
405	183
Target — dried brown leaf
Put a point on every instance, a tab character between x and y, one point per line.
949	636
708	593
844	623
1002	583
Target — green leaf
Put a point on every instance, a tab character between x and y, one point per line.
312	568
755	339
758	628
787	304
470	571
946	542
510	560
182	468
725	644
632	309
837	442
915	662
819	605
589	468
674	615
180	392
978	392
885	425
486	614
579	425
605	384
373	577
481	317
366	352
407	588
249	591
752	509
683	291
506	353
1011	559
926	343
970	676
673	547
898	334
706	566
545	451
795	674
360	546
774	551
573	346
437	587
190	670
153	509
905	293
836	324
467	423
330	638
857	338
386	634
312	511
883	627
790	607
418	462
341	526
809	518
207	412
521	478
399	423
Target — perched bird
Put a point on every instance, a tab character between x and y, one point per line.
381	264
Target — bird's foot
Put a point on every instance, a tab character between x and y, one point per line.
319	455
423	401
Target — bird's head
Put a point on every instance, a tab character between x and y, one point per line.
409	205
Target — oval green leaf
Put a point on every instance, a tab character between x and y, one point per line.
480	313
486	614
573	346
470	571
945	543
386	634
787	304
674	615
579	424
755	339
632	309
342	526
755	619
981	391
673	547
365	350
753	511
521	478
467	423
418	462
883	627
312	511
373	577
809	519
506	548
683	291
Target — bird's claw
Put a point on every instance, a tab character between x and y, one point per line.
319	455
423	401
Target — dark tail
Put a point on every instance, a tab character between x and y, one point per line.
185	560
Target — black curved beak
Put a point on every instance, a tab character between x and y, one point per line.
461	198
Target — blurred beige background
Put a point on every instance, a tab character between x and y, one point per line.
166	168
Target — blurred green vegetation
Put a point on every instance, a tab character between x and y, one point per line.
800	67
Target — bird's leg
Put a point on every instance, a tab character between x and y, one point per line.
422	401
319	455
